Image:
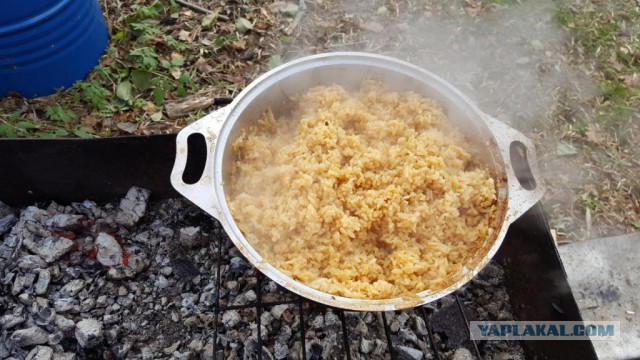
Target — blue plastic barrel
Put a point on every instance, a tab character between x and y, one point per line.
46	45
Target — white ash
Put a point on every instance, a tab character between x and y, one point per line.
86	279
40	353
109	252
132	207
30	336
89	333
52	248
138	280
64	221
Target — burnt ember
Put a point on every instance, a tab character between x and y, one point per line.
160	280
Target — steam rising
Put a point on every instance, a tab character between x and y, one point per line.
507	62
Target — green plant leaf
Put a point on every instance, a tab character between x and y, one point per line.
141	79
82	134
177	62
26	125
184	78
7	130
158	96
637	224
219	41
45	135
58	113
118	36
61	132
181	91
123	91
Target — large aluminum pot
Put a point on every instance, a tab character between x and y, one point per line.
348	69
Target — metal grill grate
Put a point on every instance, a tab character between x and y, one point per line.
426	313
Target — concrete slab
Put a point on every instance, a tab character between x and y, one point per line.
604	275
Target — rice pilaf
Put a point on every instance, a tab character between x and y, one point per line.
367	195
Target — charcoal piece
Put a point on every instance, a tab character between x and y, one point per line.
40	353
5	210
367	337
71	288
281	336
272	292
6	222
323	339
64	221
29	336
408	353
31	262
109	251
8	321
89	333
449	321
184	268
192	236
239	282
132	206
462	354
53	248
238	338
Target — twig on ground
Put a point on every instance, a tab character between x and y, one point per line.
201	9
195	102
302	7
194	7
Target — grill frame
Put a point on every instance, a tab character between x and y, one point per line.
103	170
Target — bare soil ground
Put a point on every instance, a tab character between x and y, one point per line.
565	72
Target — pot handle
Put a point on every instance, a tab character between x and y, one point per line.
202	193
521	199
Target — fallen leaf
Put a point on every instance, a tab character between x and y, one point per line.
175	72
203	66
127	127
243	25
183	35
564	149
156	116
149	107
240	44
208	20
595	135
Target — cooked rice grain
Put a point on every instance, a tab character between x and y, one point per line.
368	195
